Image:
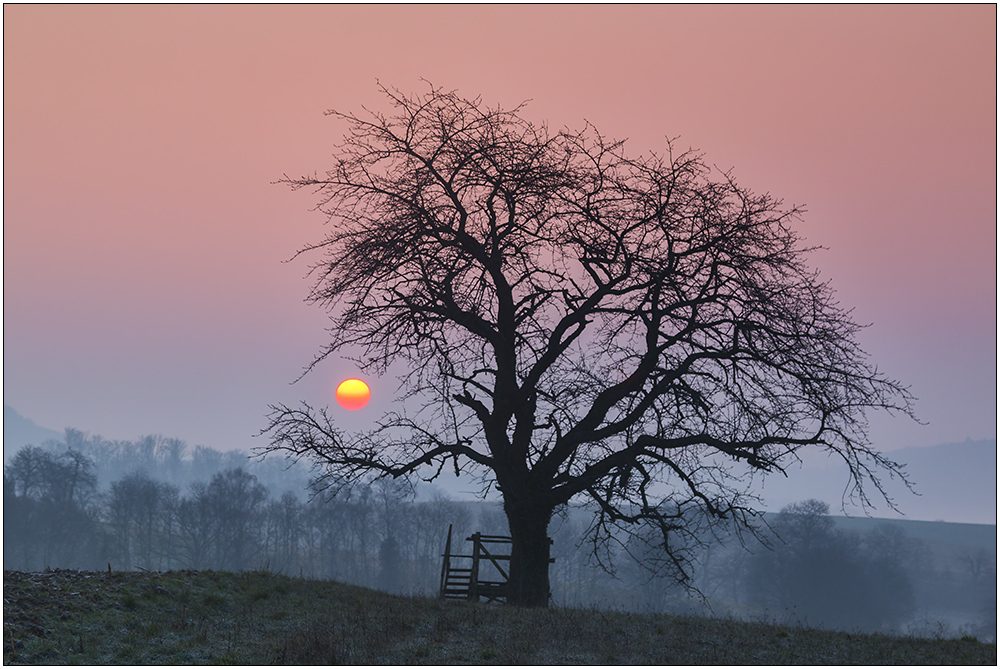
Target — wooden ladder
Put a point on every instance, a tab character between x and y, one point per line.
455	581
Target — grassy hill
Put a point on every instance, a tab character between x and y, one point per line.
968	536
195	617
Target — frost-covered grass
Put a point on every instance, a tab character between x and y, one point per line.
190	617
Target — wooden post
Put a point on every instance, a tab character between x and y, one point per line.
446	564
474	583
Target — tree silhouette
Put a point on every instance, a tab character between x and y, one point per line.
826	577
50	507
640	333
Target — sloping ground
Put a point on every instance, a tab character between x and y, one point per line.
192	617
957	536
957	482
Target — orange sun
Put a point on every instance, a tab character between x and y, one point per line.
353	394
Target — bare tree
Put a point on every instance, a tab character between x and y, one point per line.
137	508
51	507
284	532
27	472
823	576
197	526
641	333
238	501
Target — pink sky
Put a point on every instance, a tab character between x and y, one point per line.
144	289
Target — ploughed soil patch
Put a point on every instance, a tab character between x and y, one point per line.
206	617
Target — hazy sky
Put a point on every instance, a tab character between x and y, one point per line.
144	288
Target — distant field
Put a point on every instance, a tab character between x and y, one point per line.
192	617
967	535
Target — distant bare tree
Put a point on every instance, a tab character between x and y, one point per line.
197	527
822	576
170	456
50	509
391	498
26	472
137	509
238	501
979	562
285	530
640	332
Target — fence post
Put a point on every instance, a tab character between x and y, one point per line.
474	582
445	564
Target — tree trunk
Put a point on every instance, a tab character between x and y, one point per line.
528	584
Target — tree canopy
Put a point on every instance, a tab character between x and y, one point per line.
638	333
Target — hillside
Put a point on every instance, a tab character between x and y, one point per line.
19	431
953	482
956	536
195	617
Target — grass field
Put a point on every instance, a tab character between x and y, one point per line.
189	617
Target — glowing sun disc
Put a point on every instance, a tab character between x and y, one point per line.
353	394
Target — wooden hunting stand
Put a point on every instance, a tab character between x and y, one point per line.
464	582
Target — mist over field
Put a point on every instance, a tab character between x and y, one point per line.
83	502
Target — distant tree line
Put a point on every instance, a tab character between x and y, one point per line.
156	505
56	515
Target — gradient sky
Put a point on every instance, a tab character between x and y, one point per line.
144	288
